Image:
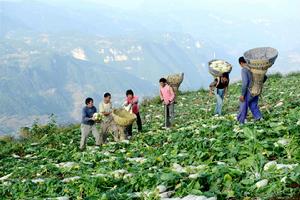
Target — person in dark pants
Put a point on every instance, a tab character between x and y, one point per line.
246	99
133	102
167	96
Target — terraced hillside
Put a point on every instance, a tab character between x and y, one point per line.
202	155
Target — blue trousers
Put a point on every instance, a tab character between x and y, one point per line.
219	97
252	103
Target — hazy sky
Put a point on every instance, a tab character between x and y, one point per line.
280	8
282	15
288	7
268	5
235	24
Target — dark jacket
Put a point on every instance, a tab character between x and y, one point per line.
88	113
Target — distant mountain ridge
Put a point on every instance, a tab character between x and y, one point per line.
50	74
54	54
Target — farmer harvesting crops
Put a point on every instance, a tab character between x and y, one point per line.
88	123
246	99
133	102
219	86
167	96
108	123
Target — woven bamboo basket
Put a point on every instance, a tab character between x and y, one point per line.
217	73
259	60
123	117
175	81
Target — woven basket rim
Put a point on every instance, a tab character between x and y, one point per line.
212	71
273	50
121	120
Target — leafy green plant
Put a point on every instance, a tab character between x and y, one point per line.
200	155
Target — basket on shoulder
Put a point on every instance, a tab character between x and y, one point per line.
175	80
259	60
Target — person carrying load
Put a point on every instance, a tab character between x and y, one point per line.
254	67
108	124
167	96
220	70
219	86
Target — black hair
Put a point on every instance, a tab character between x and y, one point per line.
163	80
128	92
242	60
107	94
225	74
88	100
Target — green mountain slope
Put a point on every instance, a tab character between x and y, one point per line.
44	74
58	84
201	155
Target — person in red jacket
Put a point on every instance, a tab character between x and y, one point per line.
133	102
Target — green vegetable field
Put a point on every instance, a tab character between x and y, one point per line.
205	156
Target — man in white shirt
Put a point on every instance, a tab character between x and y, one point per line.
108	124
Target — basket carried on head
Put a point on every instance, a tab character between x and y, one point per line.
123	117
259	60
218	67
175	80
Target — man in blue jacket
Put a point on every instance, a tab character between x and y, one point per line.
246	99
88	123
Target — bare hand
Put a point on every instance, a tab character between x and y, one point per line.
166	103
242	98
106	113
